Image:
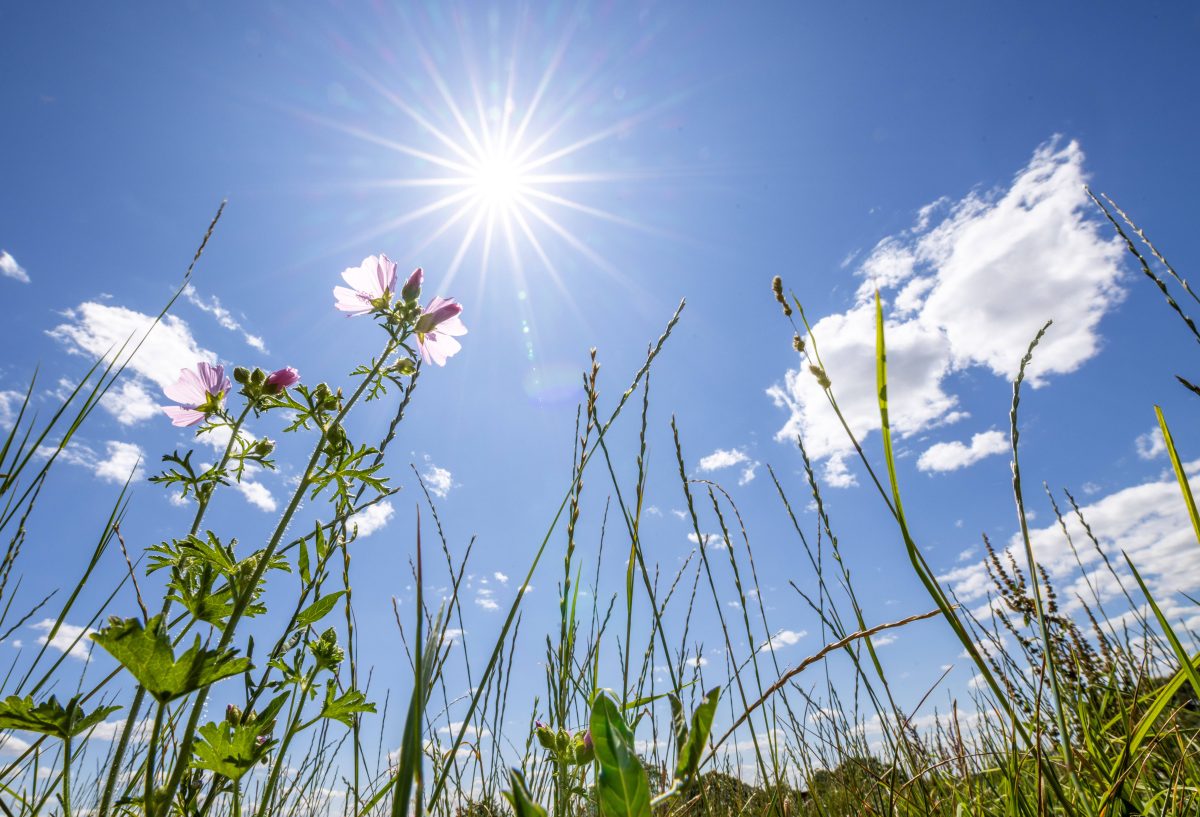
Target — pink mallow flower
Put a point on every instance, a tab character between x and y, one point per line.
198	393
436	329
372	284
282	379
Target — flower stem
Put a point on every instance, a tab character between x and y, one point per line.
243	601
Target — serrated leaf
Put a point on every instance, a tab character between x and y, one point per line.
692	748
146	652
520	799
344	707
318	609
622	788
50	717
230	750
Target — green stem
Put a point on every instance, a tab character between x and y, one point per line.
277	767
155	733
139	697
243	602
66	776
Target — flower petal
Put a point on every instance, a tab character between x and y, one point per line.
187	390
182	416
351	301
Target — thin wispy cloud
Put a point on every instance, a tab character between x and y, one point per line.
223	316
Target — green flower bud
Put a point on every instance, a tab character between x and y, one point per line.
325	650
258	377
264	447
241	375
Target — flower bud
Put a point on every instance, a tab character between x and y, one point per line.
233	715
264	447
412	287
258	377
404	366
241	375
281	379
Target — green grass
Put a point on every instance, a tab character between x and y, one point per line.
1093	714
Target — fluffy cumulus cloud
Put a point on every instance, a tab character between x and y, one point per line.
1149	522
967	286
722	458
9	268
438	480
102	330
69	638
373	518
119	461
783	638
954	455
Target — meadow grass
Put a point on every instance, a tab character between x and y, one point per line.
1092	713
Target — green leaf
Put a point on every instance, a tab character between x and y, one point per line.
344	707
521	800
692	748
146	652
318	609
622	788
50	717
230	750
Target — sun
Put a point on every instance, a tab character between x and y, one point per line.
495	164
498	182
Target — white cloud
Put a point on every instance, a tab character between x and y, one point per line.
372	518
13	745
438	480
483	598
970	290
99	330
1151	445
65	639
722	459
712	541
1147	521
783	638
222	315
678	513
120	459
260	497
9	268
129	402
748	473
10	405
954	455
500	577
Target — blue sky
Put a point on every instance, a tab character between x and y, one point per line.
936	150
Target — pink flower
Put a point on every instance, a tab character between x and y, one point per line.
198	393
372	284
436	329
282	379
